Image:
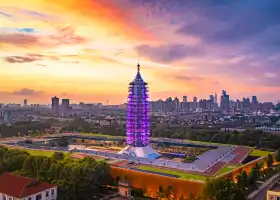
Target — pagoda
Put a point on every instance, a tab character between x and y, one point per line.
138	120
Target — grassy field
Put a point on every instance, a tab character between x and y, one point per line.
40	152
260	153
100	135
226	169
182	175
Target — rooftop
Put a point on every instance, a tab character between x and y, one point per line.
20	187
275	188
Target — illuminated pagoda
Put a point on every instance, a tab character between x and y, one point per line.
138	120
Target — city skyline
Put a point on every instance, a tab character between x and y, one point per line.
184	48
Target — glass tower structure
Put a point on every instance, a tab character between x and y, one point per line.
138	121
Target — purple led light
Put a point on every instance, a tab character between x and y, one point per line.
138	120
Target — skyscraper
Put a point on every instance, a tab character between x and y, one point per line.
254	100
138	120
185	99
225	101
65	104
25	102
216	98
55	105
211	98
64	107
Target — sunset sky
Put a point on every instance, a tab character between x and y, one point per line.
87	50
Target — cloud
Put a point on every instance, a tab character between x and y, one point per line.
66	35
233	21
5	14
27	30
19	39
29	58
63	36
167	53
26	92
189	78
20	59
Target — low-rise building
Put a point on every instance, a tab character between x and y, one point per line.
16	187
274	192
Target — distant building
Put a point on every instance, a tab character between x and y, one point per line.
194	103
212	99
224	101
185	99
216	99
18	187
65	107
55	105
25	102
254	100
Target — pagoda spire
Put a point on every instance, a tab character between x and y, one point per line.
138	67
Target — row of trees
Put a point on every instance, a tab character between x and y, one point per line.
255	138
75	178
214	189
24	128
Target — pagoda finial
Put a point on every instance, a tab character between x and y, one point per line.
138	67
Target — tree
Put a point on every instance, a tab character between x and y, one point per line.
277	157
76	178
269	161
58	155
241	182
222	189
254	175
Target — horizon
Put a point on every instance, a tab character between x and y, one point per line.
187	48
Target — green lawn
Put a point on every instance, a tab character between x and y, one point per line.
209	143
182	175
226	169
100	135
260	153
40	153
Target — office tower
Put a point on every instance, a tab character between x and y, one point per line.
55	105
25	102
138	120
211	98
254	100
177	104
195	103
185	99
224	101
216	99
65	103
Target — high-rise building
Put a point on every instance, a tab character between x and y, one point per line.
195	103
225	101
65	103
216	99
211	98
177	104
55	105
138	120
25	102
185	99
254	100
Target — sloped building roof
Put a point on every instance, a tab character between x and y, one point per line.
20	187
